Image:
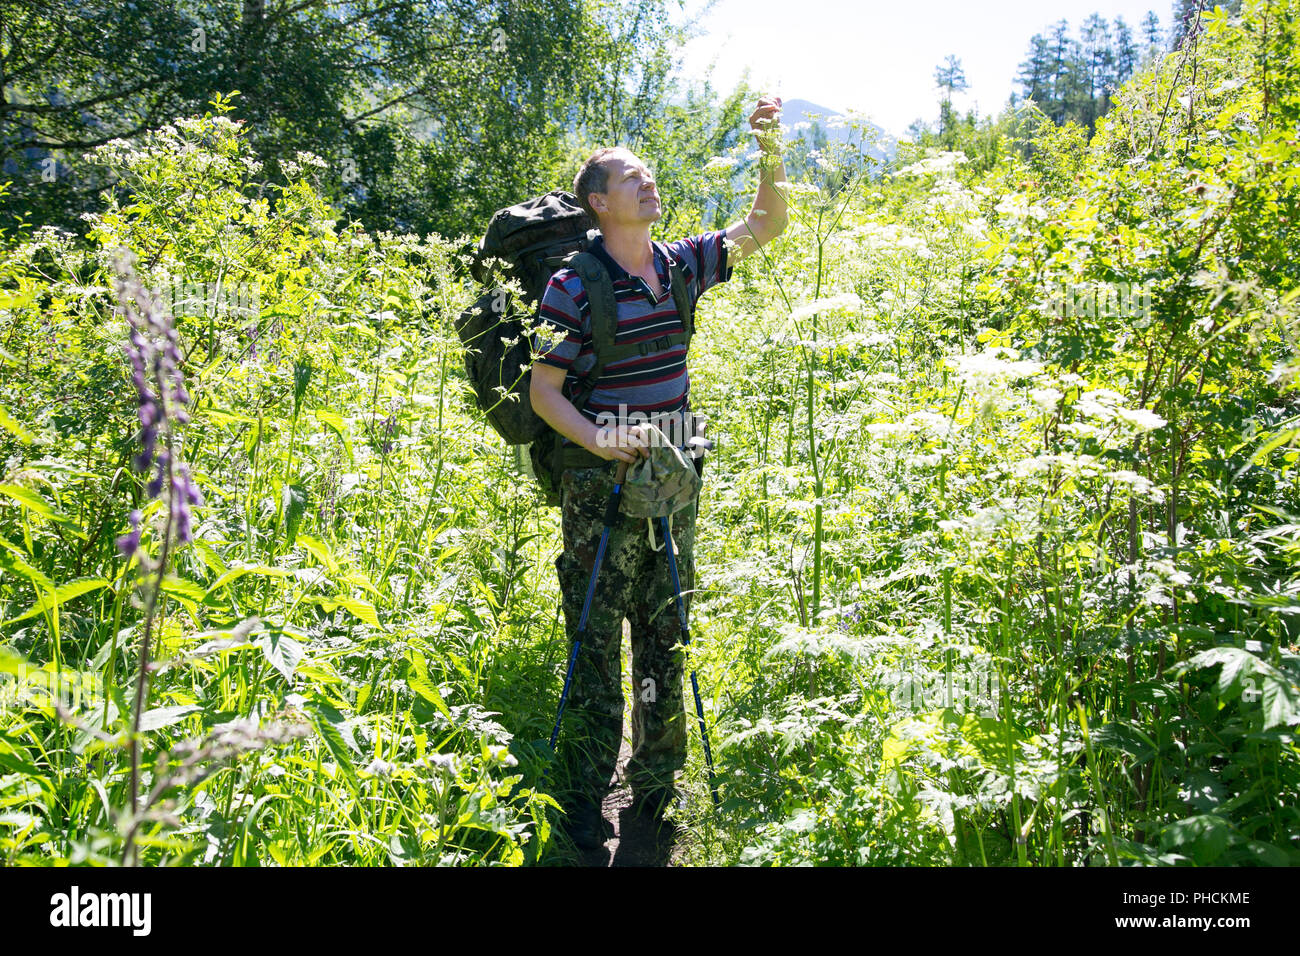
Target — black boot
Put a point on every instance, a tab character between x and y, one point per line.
585	825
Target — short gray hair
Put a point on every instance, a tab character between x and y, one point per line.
593	177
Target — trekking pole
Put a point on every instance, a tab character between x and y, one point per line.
611	519
686	641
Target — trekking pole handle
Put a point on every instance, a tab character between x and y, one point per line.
611	509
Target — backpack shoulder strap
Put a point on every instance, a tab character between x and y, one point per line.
604	326
604	315
681	295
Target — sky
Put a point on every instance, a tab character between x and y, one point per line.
879	58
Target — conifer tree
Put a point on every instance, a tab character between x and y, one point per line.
1097	69
1034	75
1060	71
1126	52
1151	31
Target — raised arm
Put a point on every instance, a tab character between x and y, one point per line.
768	216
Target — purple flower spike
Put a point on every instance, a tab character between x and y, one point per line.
154	354
129	543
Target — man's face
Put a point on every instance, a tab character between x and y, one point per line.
631	196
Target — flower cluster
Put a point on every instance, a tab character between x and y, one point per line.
720	166
771	143
153	351
935	162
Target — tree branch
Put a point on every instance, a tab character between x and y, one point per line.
49	108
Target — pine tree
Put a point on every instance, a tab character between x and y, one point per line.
1151	30
1126	52
951	78
1034	72
1098	67
1059	71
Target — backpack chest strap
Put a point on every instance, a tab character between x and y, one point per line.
627	350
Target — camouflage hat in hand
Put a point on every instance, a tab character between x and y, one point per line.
662	483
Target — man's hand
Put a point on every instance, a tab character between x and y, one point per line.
613	443
765	113
620	442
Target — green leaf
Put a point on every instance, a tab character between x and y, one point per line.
187	593
234	574
209	556
293	505
1203	837
19	299
321	672
1260	457
1237	663
15	428
320	551
281	651
13	663
29	499
62	594
161	717
1264	854
223	417
1125	739
362	610
335	421
333	738
15	764
1280	701
301	379
15	759
182	587
228	639
430	693
14	560
18	818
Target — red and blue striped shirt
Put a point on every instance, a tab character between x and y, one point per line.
654	384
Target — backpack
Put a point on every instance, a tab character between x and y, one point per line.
533	240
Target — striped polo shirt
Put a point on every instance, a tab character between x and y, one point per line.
655	384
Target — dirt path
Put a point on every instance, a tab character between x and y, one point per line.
636	840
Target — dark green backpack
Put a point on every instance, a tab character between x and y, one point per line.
530	242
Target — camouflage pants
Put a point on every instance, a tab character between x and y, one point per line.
634	581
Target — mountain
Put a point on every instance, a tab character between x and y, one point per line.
877	142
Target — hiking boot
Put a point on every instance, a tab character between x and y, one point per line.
585	825
655	801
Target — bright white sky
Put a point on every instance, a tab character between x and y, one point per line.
879	58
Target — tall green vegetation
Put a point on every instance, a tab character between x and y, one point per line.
997	562
1053	493
274	644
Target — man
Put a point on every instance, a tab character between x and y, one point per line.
619	192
